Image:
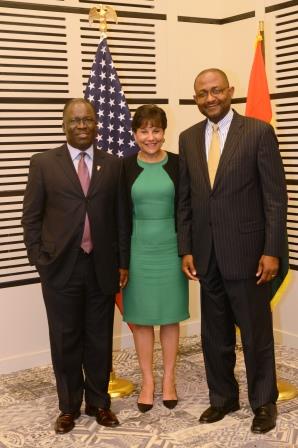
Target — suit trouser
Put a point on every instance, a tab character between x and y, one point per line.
80	319
225	303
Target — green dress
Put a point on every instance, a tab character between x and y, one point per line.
157	291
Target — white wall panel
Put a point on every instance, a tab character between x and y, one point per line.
158	47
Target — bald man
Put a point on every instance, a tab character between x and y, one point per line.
76	235
231	231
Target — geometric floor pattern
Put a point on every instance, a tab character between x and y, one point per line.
28	409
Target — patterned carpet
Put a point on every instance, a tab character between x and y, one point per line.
28	408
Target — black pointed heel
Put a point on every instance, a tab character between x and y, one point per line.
170	404
144	407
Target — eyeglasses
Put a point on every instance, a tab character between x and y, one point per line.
85	120
214	91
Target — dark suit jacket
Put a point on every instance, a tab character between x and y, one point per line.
244	215
54	215
131	171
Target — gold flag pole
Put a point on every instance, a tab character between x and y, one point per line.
102	14
286	391
118	387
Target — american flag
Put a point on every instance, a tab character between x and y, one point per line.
104	91
114	133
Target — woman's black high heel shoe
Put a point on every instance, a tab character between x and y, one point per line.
144	407
170	404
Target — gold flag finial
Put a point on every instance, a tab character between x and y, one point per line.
102	14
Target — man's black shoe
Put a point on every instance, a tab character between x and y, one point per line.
264	419
66	422
214	413
104	417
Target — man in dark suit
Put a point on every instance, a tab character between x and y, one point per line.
76	234
231	231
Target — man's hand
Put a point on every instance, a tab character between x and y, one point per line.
188	267
267	269
123	278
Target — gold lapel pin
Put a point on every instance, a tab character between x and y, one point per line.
98	167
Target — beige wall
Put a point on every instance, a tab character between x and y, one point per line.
183	49
230	47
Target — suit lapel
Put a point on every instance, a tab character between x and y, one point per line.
64	159
230	146
201	148
97	170
67	165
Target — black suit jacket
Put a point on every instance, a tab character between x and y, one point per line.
244	215
54	215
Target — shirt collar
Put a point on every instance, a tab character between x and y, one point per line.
225	121
74	152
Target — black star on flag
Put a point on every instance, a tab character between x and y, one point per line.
104	91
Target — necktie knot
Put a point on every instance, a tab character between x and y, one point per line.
215	127
83	173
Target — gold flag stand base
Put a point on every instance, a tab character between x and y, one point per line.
286	390
119	387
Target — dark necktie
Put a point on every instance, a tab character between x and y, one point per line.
214	153
84	177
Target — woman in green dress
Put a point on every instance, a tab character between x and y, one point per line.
157	292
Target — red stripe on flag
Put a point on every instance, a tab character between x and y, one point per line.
258	106
119	303
258	98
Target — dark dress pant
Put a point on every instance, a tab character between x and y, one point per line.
80	319
224	304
